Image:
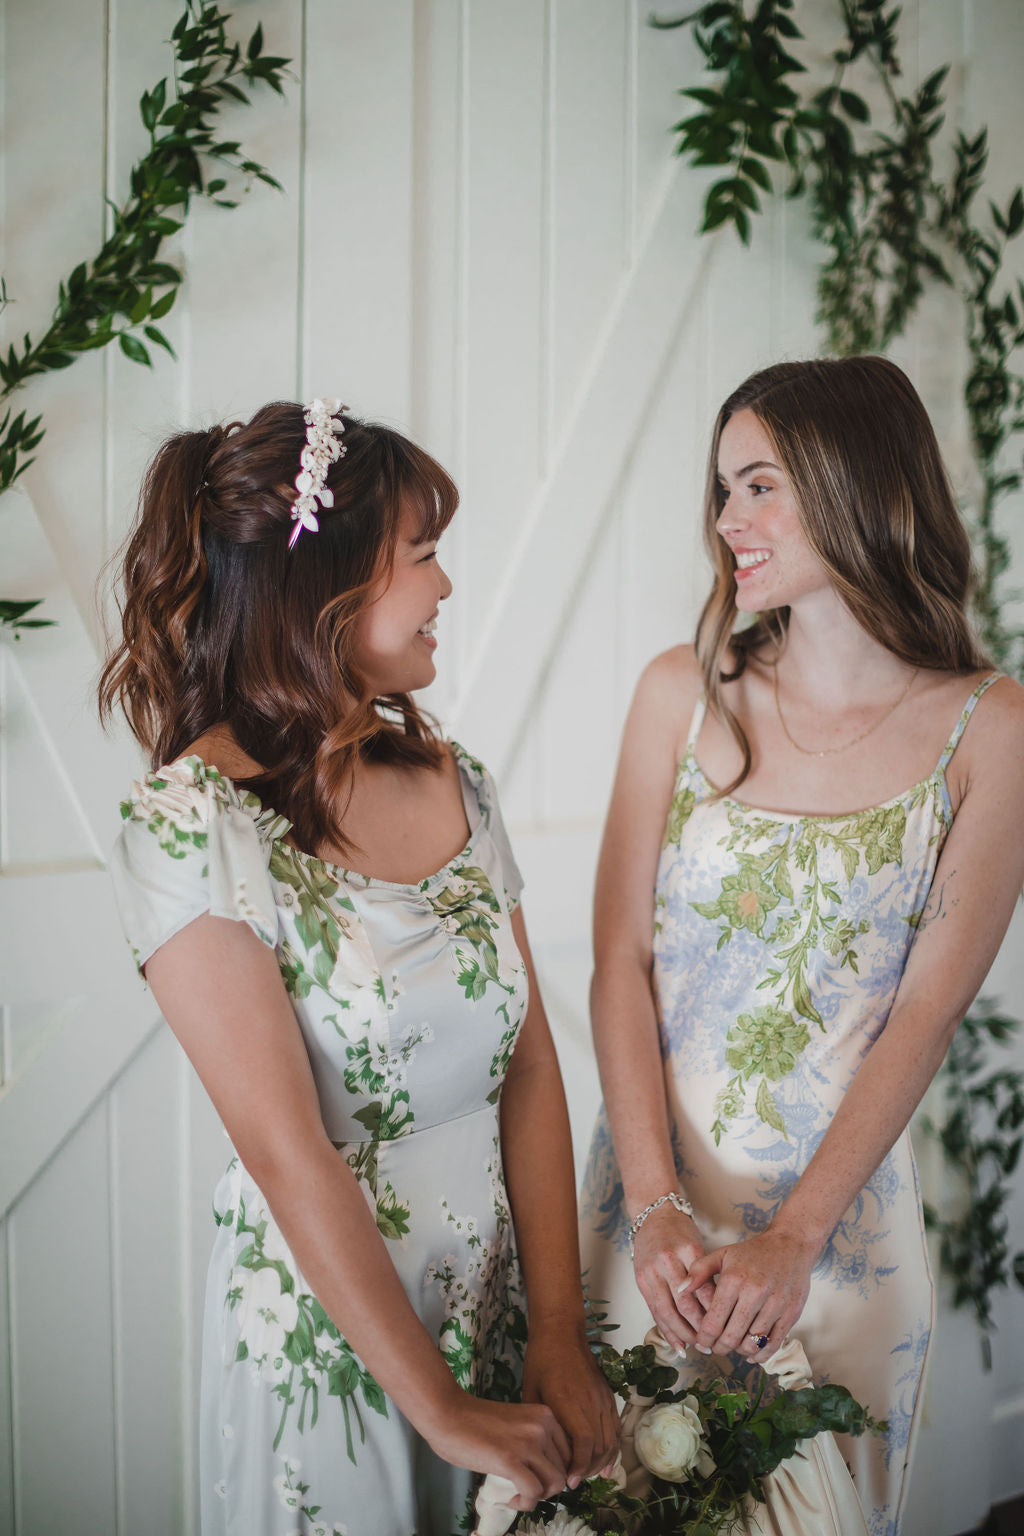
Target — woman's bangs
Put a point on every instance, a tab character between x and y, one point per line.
428	492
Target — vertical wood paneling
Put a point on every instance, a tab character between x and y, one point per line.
63	1376
465	186
357	243
206	1152
663	561
149	1304
590	236
242	263
506	84
53	218
143	404
665	62
6	1416
574	721
438	281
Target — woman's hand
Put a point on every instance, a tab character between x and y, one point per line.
521	1441
561	1372
667	1247
761	1287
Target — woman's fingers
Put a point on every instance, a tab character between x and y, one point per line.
546	1456
703	1270
562	1373
771	1330
675	1329
689	1307
760	1292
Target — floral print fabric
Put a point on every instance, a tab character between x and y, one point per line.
779	943
409	999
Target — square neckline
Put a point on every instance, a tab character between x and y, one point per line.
937	777
278	827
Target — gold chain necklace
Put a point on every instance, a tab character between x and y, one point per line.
830	751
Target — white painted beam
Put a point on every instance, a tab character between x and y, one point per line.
656	299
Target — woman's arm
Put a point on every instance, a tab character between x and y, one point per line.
763	1282
221	992
537	1153
622	1005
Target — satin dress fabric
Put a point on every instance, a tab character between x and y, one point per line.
780	940
409	999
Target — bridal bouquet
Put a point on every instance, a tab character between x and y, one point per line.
698	1460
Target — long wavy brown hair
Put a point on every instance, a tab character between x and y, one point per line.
876	506
224	626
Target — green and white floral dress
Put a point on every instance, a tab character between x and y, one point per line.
779	943
409	998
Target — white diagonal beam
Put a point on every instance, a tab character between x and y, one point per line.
535	600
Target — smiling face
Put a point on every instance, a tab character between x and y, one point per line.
395	635
775	565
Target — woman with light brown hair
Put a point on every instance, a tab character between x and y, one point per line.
811	856
322	897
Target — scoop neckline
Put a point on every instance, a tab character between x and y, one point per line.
690	757
351	876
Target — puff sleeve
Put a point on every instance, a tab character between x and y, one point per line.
490	812
192	843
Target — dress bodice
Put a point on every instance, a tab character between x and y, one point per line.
780	938
370	965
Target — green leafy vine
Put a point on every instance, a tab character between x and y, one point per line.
981	1136
126	289
890	225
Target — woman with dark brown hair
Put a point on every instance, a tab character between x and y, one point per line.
786	934
322	896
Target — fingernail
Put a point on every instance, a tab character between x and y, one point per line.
682	1289
702	1350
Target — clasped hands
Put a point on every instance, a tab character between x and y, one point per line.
721	1302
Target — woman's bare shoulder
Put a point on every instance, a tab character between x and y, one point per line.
666	696
999	716
671	675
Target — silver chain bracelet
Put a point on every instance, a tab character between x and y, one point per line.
679	1201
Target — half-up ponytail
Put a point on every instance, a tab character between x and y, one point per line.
164	579
224	626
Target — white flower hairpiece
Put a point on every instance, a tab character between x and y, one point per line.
324	426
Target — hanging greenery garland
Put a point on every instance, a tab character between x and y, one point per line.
123	292
890	226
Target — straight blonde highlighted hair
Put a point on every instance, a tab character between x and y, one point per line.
876	506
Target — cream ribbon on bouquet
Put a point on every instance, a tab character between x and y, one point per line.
810	1494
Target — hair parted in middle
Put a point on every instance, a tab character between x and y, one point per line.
225	626
875	504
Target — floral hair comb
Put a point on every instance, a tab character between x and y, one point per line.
324	427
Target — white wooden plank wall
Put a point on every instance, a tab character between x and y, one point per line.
483	238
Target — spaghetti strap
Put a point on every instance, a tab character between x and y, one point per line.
965	715
696	721
954	740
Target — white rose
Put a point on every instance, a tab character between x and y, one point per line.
668	1441
560	1524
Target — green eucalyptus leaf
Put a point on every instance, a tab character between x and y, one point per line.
140	309
133	349
854	106
163	305
157	336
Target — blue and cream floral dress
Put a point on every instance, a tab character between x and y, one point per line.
409	998
779	943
